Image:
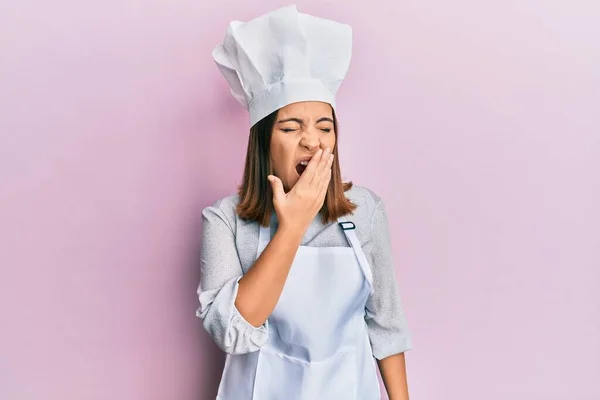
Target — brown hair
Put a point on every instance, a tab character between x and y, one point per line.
255	192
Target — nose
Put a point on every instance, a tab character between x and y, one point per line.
310	141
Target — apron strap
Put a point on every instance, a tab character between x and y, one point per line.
350	232
264	236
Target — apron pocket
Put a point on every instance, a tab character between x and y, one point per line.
281	377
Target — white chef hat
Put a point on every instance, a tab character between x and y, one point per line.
284	57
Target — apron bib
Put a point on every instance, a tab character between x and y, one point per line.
318	346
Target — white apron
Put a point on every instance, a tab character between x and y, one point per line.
318	347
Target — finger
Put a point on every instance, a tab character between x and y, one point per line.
324	186
311	168
326	176
326	160
277	187
325	165
321	166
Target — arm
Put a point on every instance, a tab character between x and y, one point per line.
386	322
234	306
220	273
393	372
262	285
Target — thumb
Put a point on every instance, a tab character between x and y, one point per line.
276	185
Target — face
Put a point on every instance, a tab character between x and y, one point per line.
300	130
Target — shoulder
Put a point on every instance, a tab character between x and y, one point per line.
370	208
367	200
222	209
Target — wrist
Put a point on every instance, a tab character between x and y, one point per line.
292	233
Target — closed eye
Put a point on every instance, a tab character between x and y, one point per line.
326	130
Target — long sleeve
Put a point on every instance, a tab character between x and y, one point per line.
386	322
220	272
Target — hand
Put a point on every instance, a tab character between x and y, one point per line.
298	208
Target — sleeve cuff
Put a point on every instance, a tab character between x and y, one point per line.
400	346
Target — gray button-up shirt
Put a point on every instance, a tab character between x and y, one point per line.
229	246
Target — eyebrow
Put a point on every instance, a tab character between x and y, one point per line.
300	121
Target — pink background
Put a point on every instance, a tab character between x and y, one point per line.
476	121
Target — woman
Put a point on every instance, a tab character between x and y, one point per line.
298	285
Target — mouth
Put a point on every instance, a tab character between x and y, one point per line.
301	166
